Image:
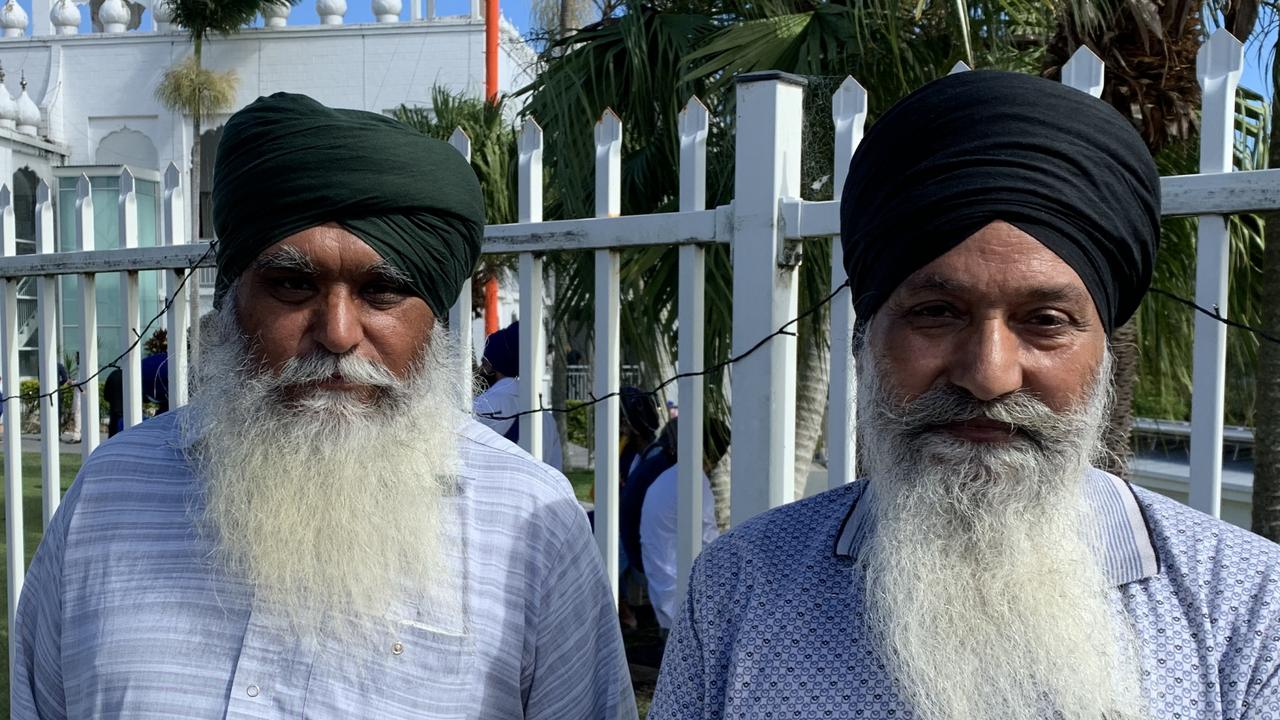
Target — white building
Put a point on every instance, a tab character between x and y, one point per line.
85	104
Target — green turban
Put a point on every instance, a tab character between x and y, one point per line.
286	163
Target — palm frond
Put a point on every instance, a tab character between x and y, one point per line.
202	18
193	90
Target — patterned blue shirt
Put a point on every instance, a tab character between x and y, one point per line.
123	616
768	627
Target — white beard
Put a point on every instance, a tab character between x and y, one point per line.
327	504
983	589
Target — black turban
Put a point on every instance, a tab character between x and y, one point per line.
502	350
976	147
286	163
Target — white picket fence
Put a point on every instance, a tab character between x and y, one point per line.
763	224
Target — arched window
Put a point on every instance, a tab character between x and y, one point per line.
208	154
128	147
24	208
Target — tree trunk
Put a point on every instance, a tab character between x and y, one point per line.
812	381
1124	349
1266	438
193	282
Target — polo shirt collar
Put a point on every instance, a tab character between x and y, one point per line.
1124	538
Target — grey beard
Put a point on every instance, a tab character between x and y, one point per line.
982	585
329	505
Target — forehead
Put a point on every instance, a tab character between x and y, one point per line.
999	263
329	247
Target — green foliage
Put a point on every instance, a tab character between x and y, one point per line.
29	392
202	18
580	425
1166	327
493	143
193	90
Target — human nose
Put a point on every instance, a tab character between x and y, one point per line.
337	325
990	365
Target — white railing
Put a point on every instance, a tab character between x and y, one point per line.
66	17
763	224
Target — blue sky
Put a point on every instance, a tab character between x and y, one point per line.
517	11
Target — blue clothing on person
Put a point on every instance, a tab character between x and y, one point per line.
769	625
655	460
123	614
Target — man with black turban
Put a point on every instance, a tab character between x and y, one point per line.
997	228
323	532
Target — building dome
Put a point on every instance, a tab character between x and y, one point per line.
114	16
66	17
13	19
276	14
387	10
8	108
331	11
161	14
28	113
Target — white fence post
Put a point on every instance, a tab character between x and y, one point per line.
131	321
769	126
90	432
1218	66
849	112
1085	72
47	351
460	313
693	196
15	559
608	353
532	335
175	233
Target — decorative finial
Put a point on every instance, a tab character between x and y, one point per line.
1	73
23	83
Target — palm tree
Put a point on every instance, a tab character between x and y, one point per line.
194	90
646	63
1266	456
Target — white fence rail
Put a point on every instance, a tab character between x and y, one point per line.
763	224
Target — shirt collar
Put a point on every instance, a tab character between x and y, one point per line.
1124	538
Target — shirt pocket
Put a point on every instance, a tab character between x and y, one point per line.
417	672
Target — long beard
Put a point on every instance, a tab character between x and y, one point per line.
328	504
983	587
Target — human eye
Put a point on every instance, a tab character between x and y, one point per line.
933	311
289	287
382	293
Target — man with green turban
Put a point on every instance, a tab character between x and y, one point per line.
324	531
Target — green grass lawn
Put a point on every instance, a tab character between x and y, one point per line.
583	482
32	529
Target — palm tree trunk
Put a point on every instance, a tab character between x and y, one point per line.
1124	350
1266	439
193	288
812	381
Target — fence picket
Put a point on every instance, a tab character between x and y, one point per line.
175	233
1085	72
767	169
47	353
90	432
1218	66
849	112
131	323
15	559
532	335
608	350
694	122
460	313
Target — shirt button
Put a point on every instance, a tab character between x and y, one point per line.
251	691
397	648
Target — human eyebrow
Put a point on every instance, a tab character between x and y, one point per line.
1059	294
386	272
286	259
938	283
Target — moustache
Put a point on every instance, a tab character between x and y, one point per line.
1022	412
321	366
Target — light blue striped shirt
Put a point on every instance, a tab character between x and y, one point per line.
123	616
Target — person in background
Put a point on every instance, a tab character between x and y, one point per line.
155	382
658	523
499	405
637	427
